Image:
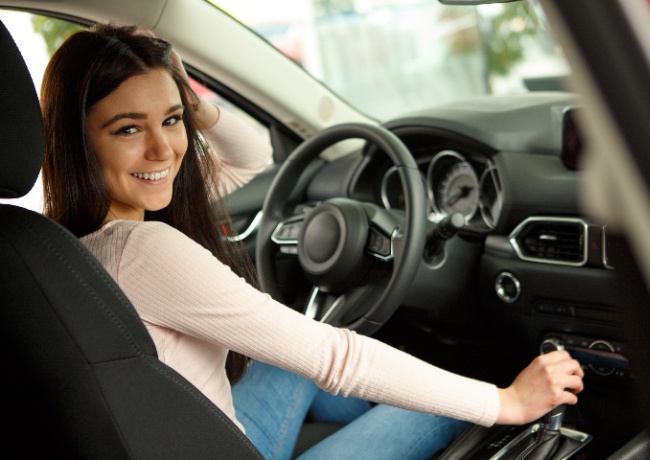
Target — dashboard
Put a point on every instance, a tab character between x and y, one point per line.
527	269
527	262
496	160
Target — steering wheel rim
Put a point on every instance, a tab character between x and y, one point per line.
410	239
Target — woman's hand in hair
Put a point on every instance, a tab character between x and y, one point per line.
207	113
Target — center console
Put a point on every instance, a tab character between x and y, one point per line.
538	441
546	439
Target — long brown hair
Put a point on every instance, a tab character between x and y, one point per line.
87	67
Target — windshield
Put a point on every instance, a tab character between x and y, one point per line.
387	57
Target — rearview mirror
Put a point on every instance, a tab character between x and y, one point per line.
474	2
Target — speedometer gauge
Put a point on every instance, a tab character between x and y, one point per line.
453	185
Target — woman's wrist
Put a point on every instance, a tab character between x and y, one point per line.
507	404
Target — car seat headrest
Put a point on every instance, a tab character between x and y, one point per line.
22	137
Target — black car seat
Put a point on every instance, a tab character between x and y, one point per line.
80	374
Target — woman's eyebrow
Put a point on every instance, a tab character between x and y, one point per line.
137	115
174	108
120	116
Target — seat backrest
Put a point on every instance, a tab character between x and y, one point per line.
80	375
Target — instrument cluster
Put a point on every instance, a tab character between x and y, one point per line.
453	183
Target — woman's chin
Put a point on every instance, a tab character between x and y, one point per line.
157	205
156	208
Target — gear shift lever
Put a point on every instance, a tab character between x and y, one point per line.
553	419
543	443
544	440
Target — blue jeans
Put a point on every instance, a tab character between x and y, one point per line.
272	404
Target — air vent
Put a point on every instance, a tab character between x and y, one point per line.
553	240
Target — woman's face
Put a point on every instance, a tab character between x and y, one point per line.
138	134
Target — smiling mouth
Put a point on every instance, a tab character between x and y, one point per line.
152	176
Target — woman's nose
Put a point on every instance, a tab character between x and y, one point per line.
158	147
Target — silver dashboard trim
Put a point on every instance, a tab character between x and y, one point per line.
604	248
287	241
252	228
525	222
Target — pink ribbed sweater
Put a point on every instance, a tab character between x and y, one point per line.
196	309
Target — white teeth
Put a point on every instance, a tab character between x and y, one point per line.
152	176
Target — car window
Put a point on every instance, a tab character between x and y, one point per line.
38	36
386	57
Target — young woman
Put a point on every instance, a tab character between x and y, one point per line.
127	171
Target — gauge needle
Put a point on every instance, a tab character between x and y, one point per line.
464	191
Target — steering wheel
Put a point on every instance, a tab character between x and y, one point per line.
361	258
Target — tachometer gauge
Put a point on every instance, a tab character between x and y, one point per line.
453	184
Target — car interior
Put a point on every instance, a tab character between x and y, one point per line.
473	234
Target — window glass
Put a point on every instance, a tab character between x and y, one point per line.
387	57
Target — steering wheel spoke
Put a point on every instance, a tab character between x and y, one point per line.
340	310
318	303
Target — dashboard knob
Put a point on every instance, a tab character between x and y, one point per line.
602	369
507	287
550	344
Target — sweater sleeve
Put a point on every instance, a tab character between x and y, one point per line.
240	151
177	284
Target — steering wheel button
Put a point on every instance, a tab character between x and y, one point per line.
294	230
385	247
293	250
373	241
378	243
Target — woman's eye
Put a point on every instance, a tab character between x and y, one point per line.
173	120
127	130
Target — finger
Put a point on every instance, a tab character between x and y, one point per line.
579	370
574	384
569	398
144	33
548	361
570	366
555	356
568	378
560	361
